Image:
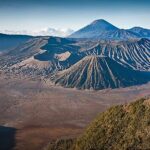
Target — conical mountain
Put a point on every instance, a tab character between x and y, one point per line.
94	30
102	24
95	72
101	29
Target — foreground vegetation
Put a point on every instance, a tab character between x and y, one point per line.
119	128
63	144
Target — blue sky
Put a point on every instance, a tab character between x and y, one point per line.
74	14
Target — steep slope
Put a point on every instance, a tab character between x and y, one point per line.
8	42
142	32
95	72
121	127
45	55
132	54
94	30
101	29
22	52
122	34
35	67
41	56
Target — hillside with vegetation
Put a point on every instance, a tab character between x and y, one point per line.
119	128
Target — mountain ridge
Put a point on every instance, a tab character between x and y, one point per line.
133	54
55	54
101	29
142	32
8	42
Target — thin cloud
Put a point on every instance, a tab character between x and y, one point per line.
42	32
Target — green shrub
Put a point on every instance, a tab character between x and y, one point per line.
124	127
119	128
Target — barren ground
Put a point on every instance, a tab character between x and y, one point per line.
39	111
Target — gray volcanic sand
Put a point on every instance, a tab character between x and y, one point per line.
41	112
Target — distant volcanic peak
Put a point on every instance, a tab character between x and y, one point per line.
99	20
103	24
101	29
